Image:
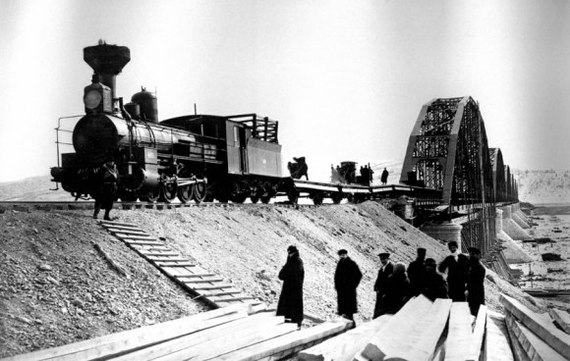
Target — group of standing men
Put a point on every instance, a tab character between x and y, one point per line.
465	278
394	285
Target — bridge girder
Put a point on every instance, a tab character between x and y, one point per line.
448	151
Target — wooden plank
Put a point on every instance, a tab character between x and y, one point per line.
229	298
157	252
249	339
121	227
174	264
478	334
345	346
127	232
169	259
202	286
459	335
114	223
221	293
497	346
398	327
128	340
136	244
556	338
196	275
192	340
127	237
284	346
535	348
562	318
228	340
518	351
420	343
193	280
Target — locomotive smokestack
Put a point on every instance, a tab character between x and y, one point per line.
107	61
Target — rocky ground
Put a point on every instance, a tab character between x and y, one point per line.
57	287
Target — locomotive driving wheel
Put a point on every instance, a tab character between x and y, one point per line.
199	191
167	192
184	193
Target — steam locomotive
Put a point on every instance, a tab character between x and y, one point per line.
199	157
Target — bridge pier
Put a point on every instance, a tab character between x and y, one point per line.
511	227
445	232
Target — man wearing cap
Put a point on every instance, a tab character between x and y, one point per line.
475	279
456	265
347	277
417	272
434	284
380	285
291	299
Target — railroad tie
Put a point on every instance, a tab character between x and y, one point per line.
208	286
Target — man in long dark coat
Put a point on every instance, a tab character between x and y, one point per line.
456	265
417	272
475	280
106	189
380	284
291	299
434	284
346	279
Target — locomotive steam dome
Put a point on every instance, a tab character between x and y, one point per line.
95	138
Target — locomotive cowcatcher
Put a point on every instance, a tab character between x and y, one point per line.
200	157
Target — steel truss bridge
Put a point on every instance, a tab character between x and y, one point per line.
448	152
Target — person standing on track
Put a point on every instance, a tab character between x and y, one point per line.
106	190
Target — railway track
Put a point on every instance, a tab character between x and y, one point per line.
27	206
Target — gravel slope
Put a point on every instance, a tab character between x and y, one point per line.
78	295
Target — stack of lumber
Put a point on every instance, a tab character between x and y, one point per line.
237	332
535	336
421	330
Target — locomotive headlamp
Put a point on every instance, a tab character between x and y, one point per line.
92	99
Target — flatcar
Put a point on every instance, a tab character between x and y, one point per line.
199	157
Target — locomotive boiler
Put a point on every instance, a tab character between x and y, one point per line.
200	157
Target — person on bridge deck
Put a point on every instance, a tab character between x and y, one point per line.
434	283
397	291
475	279
347	277
292	274
456	265
106	190
380	284
384	176
417	272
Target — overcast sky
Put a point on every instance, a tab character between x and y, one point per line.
346	79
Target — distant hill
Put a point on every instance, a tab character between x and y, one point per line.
543	186
32	189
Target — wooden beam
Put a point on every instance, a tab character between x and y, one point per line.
223	342
518	351
196	275
173	264
202	286
535	348
420	342
193	280
497	346
478	334
562	318
133	339
286	345
196	339
459	335
398	327
113	223
557	339
149	242
154	252
221	293
345	346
